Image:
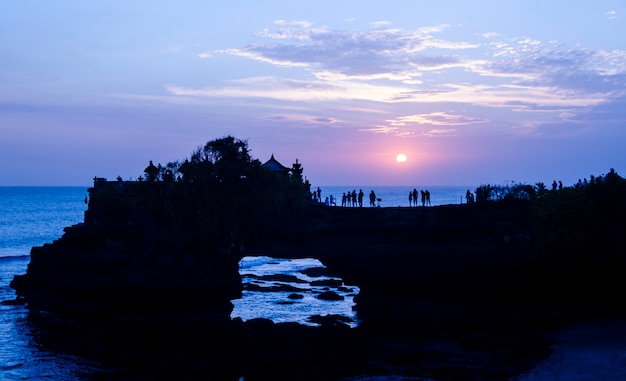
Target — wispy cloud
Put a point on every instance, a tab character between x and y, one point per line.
356	64
392	66
303	120
377	53
612	15
436	119
422	125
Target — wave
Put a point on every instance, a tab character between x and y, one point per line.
14	257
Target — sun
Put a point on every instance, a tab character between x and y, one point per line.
401	158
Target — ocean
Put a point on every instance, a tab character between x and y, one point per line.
33	216
398	196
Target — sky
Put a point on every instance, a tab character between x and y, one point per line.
480	92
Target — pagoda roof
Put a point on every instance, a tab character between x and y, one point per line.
274	165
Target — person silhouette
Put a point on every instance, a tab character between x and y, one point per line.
372	198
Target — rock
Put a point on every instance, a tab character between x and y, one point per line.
258	323
14	302
330	295
295	296
330	320
281	278
316	272
327	283
273	288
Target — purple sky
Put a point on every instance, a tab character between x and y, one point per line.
471	92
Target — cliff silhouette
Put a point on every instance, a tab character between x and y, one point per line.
451	292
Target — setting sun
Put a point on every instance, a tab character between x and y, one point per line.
401	158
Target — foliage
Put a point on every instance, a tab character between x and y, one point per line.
512	191
220	198
583	224
580	226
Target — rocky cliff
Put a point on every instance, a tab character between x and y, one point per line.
461	292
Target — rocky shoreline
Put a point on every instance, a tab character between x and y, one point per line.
447	293
457	292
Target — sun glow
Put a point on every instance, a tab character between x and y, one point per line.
401	158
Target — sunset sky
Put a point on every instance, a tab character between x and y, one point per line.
472	92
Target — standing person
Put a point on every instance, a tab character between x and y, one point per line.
372	198
415	196
343	199
361	194
319	194
427	197
410	198
354	198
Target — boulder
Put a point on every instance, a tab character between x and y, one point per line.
330	295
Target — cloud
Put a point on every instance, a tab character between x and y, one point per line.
490	35
377	53
386	130
412	125
387	69
380	24
294	90
515	97
303	121
439	133
612	15
436	119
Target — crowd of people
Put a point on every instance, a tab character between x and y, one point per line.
348	199
413	197
416	198
355	199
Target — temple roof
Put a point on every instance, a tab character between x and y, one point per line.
274	166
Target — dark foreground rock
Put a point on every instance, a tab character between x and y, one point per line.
446	293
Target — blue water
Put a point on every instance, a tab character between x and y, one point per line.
32	216
277	305
394	196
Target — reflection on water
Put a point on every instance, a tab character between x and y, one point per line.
592	350
288	290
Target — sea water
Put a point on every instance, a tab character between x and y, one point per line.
32	216
284	290
398	196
